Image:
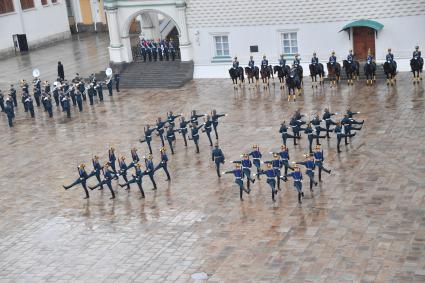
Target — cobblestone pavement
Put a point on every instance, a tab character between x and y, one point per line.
365	222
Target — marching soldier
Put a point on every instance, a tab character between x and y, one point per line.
271	178
237	172
171	137
91	92
150	170
215	118
246	168
112	158
318	161
316	123
284	132
163	163
134	157
195	134
99	89
277	164
327	116
284	157
79	99
207	128
350	115
66	106
96	170
297	177
194	117
183	129
47	101
171	117
309	165
160	129
218	158
30	105
123	171
81	180
148	137
340	134
107	180
137	178
256	158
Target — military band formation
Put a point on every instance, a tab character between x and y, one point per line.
63	94
275	169
292	76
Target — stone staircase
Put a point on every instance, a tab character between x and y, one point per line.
160	74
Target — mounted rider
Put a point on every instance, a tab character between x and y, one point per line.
369	58
390	58
350	59
297	60
264	63
417	55
282	61
315	61
235	63
251	63
332	59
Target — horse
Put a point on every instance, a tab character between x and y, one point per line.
265	76
369	71
390	70
350	71
316	70
282	72
252	75
293	82
234	75
334	73
416	64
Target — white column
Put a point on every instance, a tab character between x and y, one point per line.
114	36
185	45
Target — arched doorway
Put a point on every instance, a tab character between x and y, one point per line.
121	18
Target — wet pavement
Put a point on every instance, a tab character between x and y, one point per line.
365	222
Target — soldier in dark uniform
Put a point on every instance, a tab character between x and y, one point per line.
107	180
37	91
143	49
160	129
348	127
350	115
160	50
13	95
351	60
97	168
171	117
327	117
166	50
264	63
284	157
91	92
8	108
79	100
23	99
150	170
194	128
235	64
340	134
66	106
237	172
271	178
172	49
251	63
314	60
99	89
81	180
256	158
61	72
163	163
332	59
56	94
246	168
282	61
277	164
148	137
134	157
137	178
215	118
30	105
318	161
48	105
309	165
112	158
284	133
171	137
194	117
297	177
297	60
218	157
207	128
418	55
123	170
117	81
390	58
183	129
316	124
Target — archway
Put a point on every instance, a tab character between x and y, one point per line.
121	15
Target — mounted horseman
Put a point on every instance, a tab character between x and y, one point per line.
316	69
282	71
252	72
350	67
390	68
417	64
265	72
236	72
370	68
334	69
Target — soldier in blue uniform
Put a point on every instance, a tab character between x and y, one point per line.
79	99
235	64
172	49
99	89
215	117
327	117
150	170
251	63
30	106
347	123
264	63
37	91
171	117
160	129
143	49
109	85
340	133
194	117
154	50
282	61
332	59
71	93
296	128
117	78
218	157
163	163
390	58
207	128
369	58
316	124
123	170
350	115
91	92
47	101
310	166
8	108
283	130
237	172
107	180
314	60
134	157
297	177
277	164
112	158
97	168
13	95
418	55
137	178
23	98
256	158
194	128
318	161
171	137
246	168
148	136
183	129
351	60
284	157
83	176
271	178
66	106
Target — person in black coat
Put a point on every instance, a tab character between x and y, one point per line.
61	72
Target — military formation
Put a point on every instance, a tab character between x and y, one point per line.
157	50
106	172
62	94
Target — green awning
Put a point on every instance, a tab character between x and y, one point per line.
364	23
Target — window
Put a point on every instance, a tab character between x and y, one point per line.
27	4
6	6
289	43
44	2
221	45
